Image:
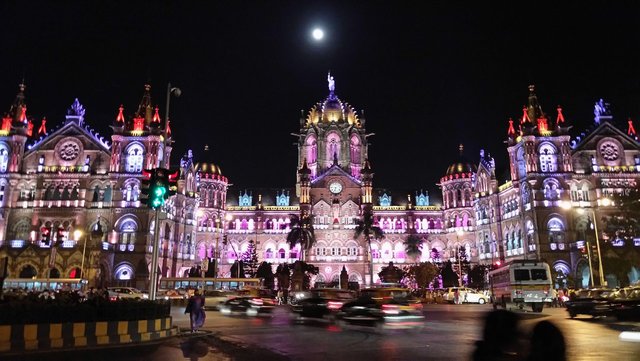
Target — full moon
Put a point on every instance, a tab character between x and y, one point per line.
317	34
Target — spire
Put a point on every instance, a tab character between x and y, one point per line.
18	111
120	117
525	116
631	131
304	169
145	107
560	118
168	128
367	167
43	127
511	131
156	116
76	112
534	110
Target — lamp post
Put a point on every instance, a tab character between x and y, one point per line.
605	202
175	91
459	233
95	234
216	252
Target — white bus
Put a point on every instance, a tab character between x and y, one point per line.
521	282
208	283
41	284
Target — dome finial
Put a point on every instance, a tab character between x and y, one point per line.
332	83
461	148
206	147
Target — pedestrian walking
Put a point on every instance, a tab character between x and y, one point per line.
195	309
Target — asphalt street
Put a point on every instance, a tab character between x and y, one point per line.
449	334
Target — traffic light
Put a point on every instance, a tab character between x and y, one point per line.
173	182
147	176
59	235
46	235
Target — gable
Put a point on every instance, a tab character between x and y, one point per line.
333	172
606	129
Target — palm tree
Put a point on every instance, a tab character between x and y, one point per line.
366	228
301	233
413	247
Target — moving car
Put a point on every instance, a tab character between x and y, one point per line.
172	294
382	315
214	298
116	293
595	302
321	305
627	307
466	295
245	306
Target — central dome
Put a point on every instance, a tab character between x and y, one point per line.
461	167
332	110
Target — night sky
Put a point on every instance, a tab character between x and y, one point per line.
428	76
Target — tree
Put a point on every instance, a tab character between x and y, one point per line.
283	274
303	271
366	228
421	274
264	271
391	274
237	269
478	277
302	233
449	277
413	247
250	259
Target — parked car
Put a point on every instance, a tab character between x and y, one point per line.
627	307
594	302
383	315
465	295
177	294
249	306
116	293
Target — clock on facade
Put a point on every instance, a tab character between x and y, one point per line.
335	187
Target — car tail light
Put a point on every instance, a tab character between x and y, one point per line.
518	292
391	309
334	305
113	298
417	306
257	301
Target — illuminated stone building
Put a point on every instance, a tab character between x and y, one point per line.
71	178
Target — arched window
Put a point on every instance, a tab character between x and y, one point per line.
4	157
21	230
551	189
128	229
124	272
282	254
312	149
522	170
355	149
135	157
333	146
548	158
556	228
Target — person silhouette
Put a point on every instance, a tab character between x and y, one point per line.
547	343
500	337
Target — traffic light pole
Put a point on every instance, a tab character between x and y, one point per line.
154	258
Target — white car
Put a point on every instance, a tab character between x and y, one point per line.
213	299
465	295
126	292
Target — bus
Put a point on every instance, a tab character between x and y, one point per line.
521	282
40	284
208	284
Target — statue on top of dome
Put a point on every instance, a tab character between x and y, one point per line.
332	83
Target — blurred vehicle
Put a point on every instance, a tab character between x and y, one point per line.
116	293
386	314
321	304
172	294
385	294
594	302
627	307
249	306
466	295
213	299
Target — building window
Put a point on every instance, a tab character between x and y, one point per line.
548	158
4	158
128	231
135	155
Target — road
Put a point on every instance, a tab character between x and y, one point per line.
449	334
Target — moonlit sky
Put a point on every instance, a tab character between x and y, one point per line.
428	76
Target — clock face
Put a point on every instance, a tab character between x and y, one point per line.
335	187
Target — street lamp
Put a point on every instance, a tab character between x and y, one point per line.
95	234
580	210
175	91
